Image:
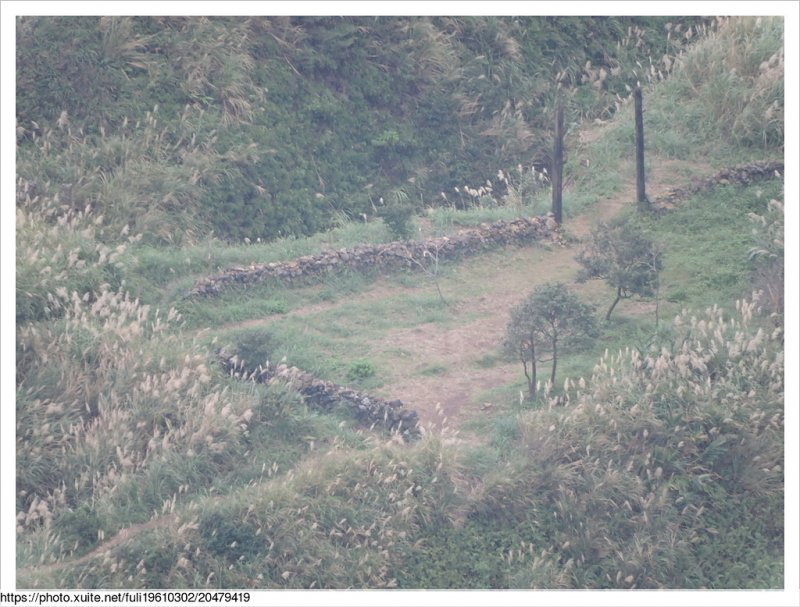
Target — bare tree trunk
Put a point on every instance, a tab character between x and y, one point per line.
614	305
556	179
532	378
641	197
527	375
431	270
438	288
555	362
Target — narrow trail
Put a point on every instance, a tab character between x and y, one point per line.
120	537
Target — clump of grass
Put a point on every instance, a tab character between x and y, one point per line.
729	87
433	370
360	370
683	441
58	252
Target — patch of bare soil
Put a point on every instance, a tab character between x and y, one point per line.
455	393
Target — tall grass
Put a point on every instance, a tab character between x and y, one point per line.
649	467
58	253
141	173
728	89
343	520
639	477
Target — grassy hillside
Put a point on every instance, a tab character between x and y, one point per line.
656	461
268	127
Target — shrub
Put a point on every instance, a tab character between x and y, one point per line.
226	537
80	527
622	255
397	217
360	369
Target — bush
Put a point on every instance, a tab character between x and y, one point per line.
550	317
397	217
622	254
359	370
223	536
79	527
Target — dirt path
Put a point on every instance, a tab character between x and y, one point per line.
122	536
456	394
456	354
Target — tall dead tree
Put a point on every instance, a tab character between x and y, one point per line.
556	178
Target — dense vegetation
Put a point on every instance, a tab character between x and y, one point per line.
263	127
661	466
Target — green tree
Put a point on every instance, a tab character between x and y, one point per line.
622	255
549	317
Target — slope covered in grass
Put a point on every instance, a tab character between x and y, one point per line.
661	469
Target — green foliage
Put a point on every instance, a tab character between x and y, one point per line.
360	370
398	218
265	127
622	254
81	527
72	64
472	556
549	317
233	540
256	347
643	476
433	370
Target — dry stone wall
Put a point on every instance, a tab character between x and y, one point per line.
369	409
372	410
408	254
743	175
393	255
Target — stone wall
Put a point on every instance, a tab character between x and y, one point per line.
393	255
409	254
370	410
742	175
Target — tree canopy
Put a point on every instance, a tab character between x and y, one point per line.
622	254
549	317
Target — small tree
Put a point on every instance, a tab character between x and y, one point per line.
551	316
429	264
623	256
397	214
